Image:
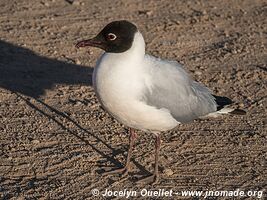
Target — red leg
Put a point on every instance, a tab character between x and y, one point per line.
125	169
155	176
132	138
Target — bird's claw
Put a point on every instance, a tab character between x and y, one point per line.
152	179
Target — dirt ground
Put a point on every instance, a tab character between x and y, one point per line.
55	137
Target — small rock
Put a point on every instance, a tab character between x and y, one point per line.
78	103
35	141
145	12
242	105
196	59
168	172
198	73
78	3
149	13
78	62
90	52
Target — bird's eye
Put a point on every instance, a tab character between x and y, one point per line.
111	36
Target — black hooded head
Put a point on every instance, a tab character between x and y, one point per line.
116	37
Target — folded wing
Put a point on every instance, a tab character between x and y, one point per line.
171	88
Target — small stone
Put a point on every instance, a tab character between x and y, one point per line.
145	12
78	62
242	105
76	3
78	103
168	172
149	13
35	141
198	73
226	33
197	59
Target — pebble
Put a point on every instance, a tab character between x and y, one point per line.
198	73
78	62
77	3
168	172
197	59
35	141
145	12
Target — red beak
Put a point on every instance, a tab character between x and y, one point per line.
94	42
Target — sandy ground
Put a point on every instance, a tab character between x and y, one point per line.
55	137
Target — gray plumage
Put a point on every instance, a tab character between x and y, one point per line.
174	90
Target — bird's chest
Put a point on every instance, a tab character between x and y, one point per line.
118	85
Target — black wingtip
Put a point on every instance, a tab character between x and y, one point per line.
238	112
222	101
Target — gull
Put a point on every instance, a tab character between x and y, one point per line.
146	93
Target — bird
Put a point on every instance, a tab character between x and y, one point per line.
146	93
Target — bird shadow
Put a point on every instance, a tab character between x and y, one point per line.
29	75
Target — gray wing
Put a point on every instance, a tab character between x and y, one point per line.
172	89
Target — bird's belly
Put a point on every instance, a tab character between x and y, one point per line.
121	96
117	96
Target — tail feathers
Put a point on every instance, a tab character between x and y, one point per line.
224	104
222	101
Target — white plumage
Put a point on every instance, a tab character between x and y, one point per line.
144	92
148	93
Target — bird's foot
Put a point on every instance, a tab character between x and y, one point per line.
121	171
152	179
